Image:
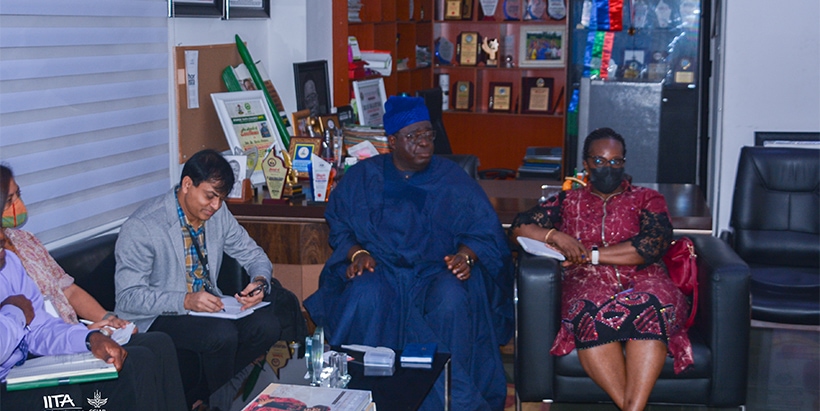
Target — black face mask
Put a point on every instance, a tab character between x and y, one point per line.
606	179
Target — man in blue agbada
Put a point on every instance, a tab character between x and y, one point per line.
419	256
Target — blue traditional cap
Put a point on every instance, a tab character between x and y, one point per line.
401	111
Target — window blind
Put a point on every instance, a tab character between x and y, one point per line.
84	109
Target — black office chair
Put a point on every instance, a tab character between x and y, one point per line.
775	228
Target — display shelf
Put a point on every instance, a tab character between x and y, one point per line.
499	139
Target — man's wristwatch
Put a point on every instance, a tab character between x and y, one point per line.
88	339
595	255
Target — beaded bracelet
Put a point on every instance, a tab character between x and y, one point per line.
353	257
549	233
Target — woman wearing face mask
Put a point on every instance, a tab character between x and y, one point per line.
619	308
151	354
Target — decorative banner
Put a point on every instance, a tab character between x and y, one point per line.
260	85
606	54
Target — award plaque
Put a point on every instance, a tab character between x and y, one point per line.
463	92
536	95
685	70
535	10
557	9
488	8
500	97
467	9
452	9
656	69
445	50
468	48
275	172
512	9
632	70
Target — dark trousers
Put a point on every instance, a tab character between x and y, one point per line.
223	347
149	380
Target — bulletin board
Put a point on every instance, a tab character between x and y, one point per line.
199	128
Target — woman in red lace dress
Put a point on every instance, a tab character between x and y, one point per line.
619	308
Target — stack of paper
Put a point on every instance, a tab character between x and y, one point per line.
536	247
293	397
232	311
378	61
56	370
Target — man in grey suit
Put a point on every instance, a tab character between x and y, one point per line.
168	257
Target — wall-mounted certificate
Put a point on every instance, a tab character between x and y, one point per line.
468	48
463	92
536	95
452	9
500	97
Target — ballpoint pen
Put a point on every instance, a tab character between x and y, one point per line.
253	292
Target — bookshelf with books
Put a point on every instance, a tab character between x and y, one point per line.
397	27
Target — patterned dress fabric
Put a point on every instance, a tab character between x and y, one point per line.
605	303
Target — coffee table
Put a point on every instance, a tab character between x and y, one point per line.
404	390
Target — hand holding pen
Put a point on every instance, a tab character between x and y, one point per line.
203	301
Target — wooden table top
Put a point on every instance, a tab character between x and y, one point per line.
687	205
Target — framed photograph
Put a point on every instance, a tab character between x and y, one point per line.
312	87
301	123
247	123
370	99
197	8
244	9
542	46
239	165
301	149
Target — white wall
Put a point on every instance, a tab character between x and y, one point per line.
297	31
767	80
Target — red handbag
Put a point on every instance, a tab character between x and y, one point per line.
681	263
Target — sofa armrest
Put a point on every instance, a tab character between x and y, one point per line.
724	316
538	316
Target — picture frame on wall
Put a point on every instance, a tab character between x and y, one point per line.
248	124
542	46
370	99
312	87
248	9
226	9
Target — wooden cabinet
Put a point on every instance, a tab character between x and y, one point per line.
499	139
397	26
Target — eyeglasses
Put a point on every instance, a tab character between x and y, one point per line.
415	138
615	162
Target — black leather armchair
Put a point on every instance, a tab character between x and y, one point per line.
775	228
720	336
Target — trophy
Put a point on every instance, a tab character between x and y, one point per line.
488	8
500	97
490	46
468	48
